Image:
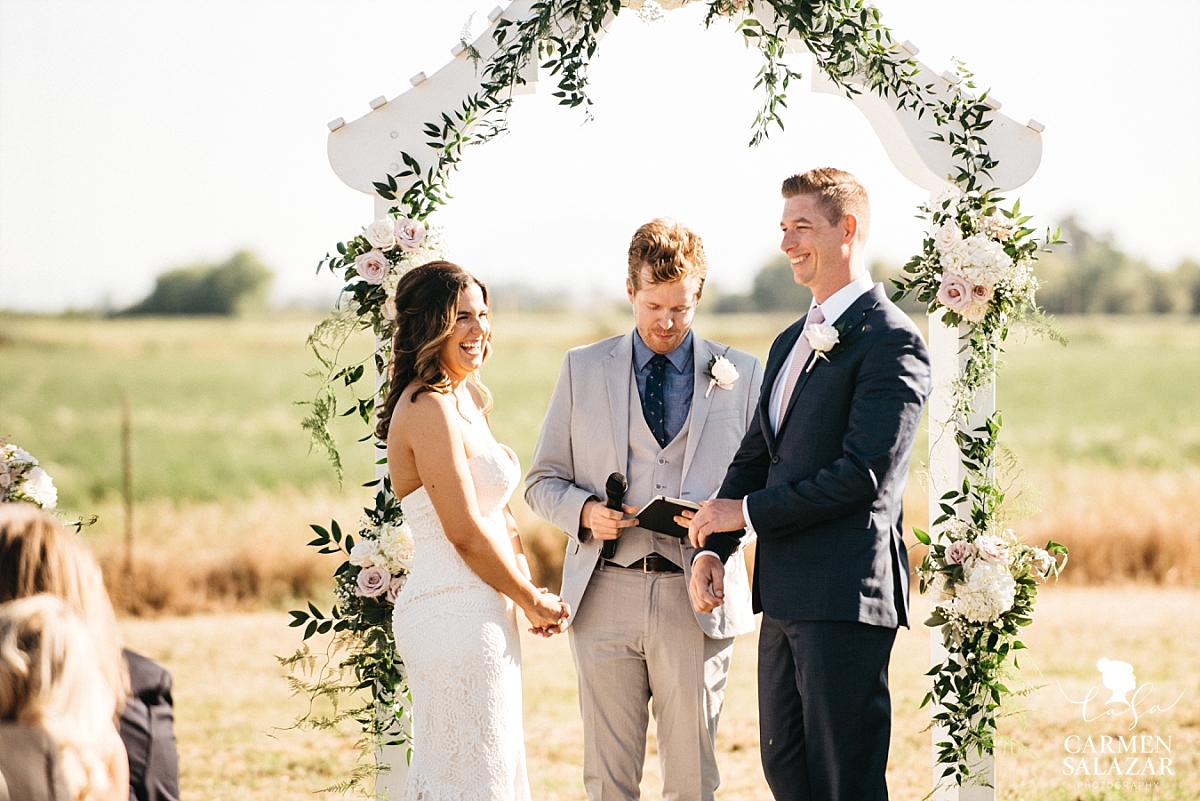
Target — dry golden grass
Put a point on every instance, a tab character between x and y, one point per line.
205	556
231	698
1122	525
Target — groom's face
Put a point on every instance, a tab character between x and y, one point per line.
663	312
818	250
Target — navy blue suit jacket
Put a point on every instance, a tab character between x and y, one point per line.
825	493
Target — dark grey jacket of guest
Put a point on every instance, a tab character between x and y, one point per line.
148	731
825	494
29	768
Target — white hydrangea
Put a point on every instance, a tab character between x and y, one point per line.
980	260
396	547
986	592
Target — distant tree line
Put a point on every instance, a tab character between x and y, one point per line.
236	286
1088	275
775	290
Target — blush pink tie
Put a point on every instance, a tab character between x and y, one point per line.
799	359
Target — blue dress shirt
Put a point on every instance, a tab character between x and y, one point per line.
680	379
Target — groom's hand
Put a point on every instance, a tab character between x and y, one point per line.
605	523
707	587
721	514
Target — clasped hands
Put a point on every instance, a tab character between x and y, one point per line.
547	614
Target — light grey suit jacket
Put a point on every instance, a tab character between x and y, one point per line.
585	438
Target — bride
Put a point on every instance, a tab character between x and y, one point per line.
454	622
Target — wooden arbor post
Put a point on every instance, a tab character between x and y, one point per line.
925	162
368	149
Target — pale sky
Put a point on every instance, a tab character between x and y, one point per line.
136	136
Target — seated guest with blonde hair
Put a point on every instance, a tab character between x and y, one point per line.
50	678
38	556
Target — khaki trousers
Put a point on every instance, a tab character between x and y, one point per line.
636	644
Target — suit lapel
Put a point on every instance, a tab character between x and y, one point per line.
618	372
846	324
701	354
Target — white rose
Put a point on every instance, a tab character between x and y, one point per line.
381	233
821	337
389	308
40	487
364	553
409	234
724	372
5	480
947	236
992	549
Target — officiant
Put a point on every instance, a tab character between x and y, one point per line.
667	410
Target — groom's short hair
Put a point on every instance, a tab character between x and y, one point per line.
838	193
669	251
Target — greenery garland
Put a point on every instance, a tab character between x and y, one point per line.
976	265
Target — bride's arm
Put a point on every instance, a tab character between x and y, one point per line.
431	428
514	536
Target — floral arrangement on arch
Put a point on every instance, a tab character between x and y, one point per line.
23	479
372	263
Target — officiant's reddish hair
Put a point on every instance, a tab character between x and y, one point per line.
838	193
669	251
426	311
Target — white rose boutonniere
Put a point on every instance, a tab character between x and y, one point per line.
822	339
721	373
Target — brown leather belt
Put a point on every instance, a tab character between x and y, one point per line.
651	563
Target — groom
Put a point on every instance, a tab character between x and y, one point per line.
644	404
819	477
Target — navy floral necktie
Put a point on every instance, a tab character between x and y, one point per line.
654	406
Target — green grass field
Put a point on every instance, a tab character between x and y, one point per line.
1107	430
214	414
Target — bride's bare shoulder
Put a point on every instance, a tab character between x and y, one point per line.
419	410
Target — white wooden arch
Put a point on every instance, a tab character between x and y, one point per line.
367	150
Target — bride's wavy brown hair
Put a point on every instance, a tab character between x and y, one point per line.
426	311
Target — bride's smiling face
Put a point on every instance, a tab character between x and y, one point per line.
463	351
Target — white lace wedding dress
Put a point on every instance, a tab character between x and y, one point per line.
458	639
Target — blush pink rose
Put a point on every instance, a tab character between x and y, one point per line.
992	549
409	234
373	266
373	581
955	292
958	552
394	587
981	293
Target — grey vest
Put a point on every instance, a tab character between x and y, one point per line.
651	471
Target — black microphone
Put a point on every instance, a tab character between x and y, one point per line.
615	489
